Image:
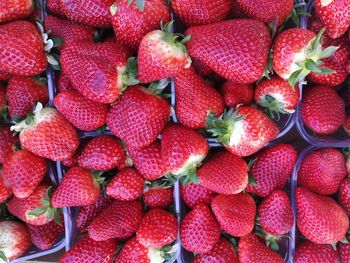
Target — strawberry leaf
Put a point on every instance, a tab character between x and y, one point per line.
140	4
312	66
252	180
3	256
38	211
327	52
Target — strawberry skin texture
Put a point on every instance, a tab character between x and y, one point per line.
201	68
88	250
138	117
235	49
2	98
231	169
24	171
15	10
193	194
4	75
22	94
118	220
235	94
7	139
195	98
344	195
322	171
319	218
235	213
311	252
201	12
199	230
272	169
133	252
130	24
275	213
63	83
344	250
14	239
5	187
322	110
158	197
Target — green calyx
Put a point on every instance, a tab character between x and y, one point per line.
187	176
168	253
173	38
166	181
140	4
3	257
270	240
273	107
158	87
129	77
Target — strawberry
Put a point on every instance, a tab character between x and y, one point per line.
311	252
346	124
15	10
161	55
118	220
148	160
21	49
158	197
335	15
344	195
23	93
139	116
5	187
195	98
3	100
183	149
202	69
235	49
235	213
126	185
48	134
63	83
221	252
347	164
194	12
322	171
132	20
344	251
83	113
194	194
14	240
54	6
319	218
231	169
4	76
322	110
7	141
199	230
78	187
158	228
243	131
235	94
89	250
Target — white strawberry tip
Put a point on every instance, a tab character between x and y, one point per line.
25	124
326	2
113	9
155	255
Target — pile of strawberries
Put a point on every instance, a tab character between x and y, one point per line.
235	68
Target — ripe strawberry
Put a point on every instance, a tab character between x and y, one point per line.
194	194
126	185
344	195
235	213
54	6
322	110
48	134
3	100
15	10
7	141
319	218
346	124
335	15
14	239
132	20
199	230
23	93
202	69
183	149
221	252
195	98
4	76
347	164
244	131
235	94
5	187
311	252
344	251
231	169
139	116
63	83
158	197
89	250
235	49
21	49
322	171
118	220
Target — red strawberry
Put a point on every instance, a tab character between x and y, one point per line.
311	252
244	131
21	49
47	134
78	187
5	76
322	171
195	98
138	117
221	252
194	12
199	230
322	110
235	94
63	83
335	15
14	239
5	187
158	197
344	195
6	142
236	49
132	20
346	124
22	94
118	220
344	251
54	6
235	213
88	250
272	169
194	194
319	218
231	169
347	164
202	69
15	10
158	228
83	113
126	185
3	106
